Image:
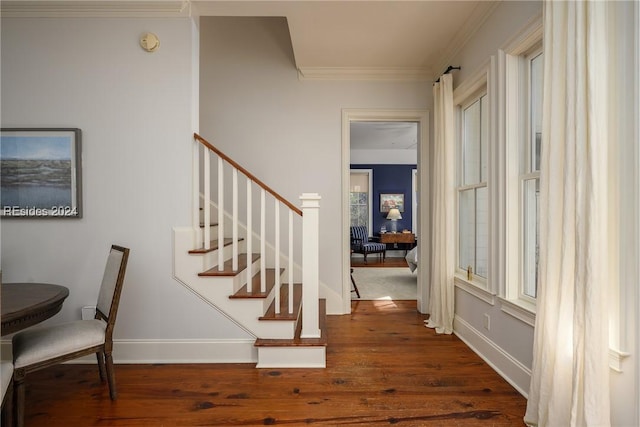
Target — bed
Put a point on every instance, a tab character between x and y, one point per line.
412	259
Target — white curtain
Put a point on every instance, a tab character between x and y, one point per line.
570	378
441	307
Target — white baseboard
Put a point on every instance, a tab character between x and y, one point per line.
514	372
171	351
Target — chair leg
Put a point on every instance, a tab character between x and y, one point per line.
355	287
7	407
110	376
18	398
365	257
100	356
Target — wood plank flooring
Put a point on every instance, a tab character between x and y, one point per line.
383	367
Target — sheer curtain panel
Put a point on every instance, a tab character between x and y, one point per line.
441	307
570	375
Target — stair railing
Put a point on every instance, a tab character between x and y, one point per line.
310	230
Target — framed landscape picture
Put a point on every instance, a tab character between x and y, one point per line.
40	173
389	200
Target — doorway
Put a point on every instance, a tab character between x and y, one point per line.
420	117
383	160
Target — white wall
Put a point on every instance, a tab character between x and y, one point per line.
135	110
285	131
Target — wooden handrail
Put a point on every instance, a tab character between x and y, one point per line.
248	174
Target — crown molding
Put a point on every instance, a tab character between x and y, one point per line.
477	80
364	73
480	14
94	8
526	38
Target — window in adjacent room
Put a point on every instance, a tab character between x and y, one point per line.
360	198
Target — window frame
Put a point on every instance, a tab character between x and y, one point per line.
470	91
527	169
514	108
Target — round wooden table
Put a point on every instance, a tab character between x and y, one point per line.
25	304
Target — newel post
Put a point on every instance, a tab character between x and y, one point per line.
310	267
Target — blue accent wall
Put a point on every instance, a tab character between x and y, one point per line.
395	179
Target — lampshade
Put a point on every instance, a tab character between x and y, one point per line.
394	213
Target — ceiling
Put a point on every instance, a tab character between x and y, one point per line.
384	136
367	39
331	39
357	39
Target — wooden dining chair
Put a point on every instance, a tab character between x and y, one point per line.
6	374
38	348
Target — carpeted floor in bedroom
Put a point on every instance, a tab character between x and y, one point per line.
385	283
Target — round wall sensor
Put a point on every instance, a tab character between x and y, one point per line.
149	42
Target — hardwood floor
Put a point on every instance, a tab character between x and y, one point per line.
383	367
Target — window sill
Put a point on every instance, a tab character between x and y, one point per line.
474	289
521	310
615	359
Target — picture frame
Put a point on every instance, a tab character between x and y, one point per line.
391	200
41	173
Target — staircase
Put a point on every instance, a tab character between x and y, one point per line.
269	289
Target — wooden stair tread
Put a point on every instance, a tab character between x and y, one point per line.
214	245
284	304
213	224
255	285
228	267
297	341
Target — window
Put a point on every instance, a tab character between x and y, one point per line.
520	144
360	198
530	174
472	186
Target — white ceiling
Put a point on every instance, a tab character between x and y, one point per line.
384	136
361	37
374	39
356	39
369	39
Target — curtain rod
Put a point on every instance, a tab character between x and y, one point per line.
448	70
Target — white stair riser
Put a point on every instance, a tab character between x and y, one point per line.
292	357
216	290
210	259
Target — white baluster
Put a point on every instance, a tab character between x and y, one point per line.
206	202
220	214
290	267
249	238
234	226
276	215
310	267
196	189
263	261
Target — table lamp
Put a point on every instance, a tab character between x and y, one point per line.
394	216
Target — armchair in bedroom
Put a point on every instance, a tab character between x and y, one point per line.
360	243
